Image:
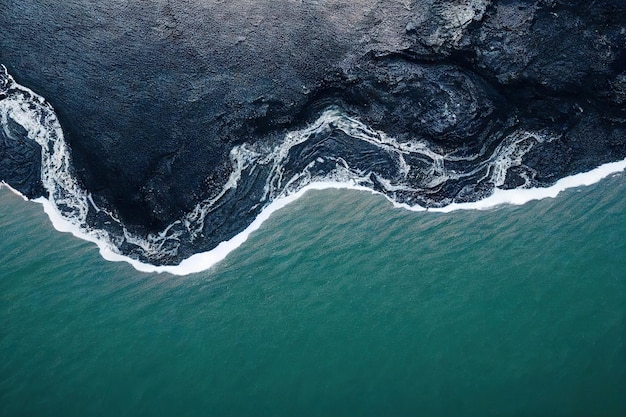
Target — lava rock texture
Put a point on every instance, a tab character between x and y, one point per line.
153	96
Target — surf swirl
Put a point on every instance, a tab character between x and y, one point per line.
337	148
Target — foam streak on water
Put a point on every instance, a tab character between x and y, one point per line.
409	170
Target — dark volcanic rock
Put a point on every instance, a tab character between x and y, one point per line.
20	156
153	93
441	102
153	96
20	160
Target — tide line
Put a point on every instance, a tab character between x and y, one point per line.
205	260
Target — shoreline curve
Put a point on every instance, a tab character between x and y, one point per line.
203	261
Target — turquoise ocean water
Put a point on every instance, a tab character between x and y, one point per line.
339	305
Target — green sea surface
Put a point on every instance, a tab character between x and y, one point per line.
340	305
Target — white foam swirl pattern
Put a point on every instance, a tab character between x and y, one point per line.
416	167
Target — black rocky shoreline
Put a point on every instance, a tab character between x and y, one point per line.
153	100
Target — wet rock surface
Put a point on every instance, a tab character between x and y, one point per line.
20	160
20	156
153	96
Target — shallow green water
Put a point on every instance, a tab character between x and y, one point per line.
338	305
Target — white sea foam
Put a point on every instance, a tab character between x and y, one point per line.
205	260
519	196
68	205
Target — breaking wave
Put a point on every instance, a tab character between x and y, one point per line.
335	151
